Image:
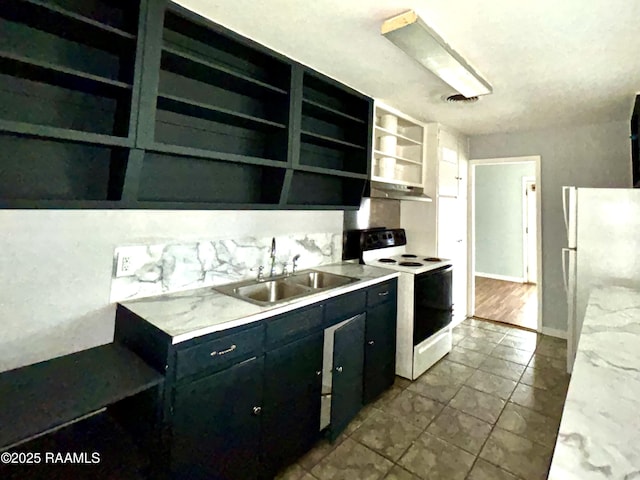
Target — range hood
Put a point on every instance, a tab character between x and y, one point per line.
393	191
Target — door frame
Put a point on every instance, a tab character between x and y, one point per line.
525	223
471	227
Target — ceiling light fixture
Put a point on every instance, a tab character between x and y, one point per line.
413	36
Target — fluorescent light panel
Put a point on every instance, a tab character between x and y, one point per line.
413	36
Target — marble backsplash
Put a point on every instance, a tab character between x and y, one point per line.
173	267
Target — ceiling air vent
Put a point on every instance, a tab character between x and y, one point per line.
457	98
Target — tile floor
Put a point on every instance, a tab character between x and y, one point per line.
489	410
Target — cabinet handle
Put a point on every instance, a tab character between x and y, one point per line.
383	294
339	369
222	352
318	372
371	342
257	411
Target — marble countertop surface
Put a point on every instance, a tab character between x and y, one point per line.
599	435
192	313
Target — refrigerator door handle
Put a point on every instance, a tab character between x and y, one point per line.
565	278
565	195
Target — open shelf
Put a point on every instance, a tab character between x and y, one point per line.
37	169
186	63
394	181
210	51
210	112
326	93
50	73
324	140
168	178
329	171
28	129
333	157
330	114
402	139
327	190
52	18
378	153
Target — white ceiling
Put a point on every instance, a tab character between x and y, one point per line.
551	62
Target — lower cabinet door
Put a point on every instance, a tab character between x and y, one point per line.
348	364
292	396
216	425
379	350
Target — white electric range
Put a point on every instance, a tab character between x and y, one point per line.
424	296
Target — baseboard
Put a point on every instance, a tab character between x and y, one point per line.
554	332
501	277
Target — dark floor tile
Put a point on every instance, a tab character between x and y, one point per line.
414	408
435	387
503	368
460	429
512	354
478	345
483	470
401	382
547	402
494	327
466	357
490	335
540	361
292	472
359	419
433	459
520	333
352	460
319	451
399	473
492	384
546	379
517	455
552	347
479	404
528	344
529	424
457	372
387	435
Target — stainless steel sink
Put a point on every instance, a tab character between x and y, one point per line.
317	280
270	291
280	289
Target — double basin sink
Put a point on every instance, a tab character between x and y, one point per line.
280	289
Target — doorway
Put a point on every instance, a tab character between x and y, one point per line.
505	241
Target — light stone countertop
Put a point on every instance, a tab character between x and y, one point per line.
192	313
599	434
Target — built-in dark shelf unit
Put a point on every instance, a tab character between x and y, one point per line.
144	104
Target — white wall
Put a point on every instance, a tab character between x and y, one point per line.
56	266
498	200
584	156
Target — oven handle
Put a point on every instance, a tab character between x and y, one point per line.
444	269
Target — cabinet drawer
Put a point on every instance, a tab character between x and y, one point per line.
345	306
291	326
218	354
381	293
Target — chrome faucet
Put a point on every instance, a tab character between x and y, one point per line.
295	263
273	257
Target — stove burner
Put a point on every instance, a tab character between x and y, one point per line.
409	255
387	260
410	264
432	259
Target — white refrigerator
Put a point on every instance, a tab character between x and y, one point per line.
603	243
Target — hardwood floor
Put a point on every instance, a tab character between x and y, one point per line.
508	302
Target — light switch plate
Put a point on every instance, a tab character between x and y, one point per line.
129	260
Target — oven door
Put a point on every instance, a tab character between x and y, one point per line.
433	306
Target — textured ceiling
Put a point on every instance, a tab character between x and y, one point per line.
551	62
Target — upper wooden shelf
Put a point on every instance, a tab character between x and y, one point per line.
327	112
52	18
402	139
51	73
180	61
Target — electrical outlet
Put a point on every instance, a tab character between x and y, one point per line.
129	260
